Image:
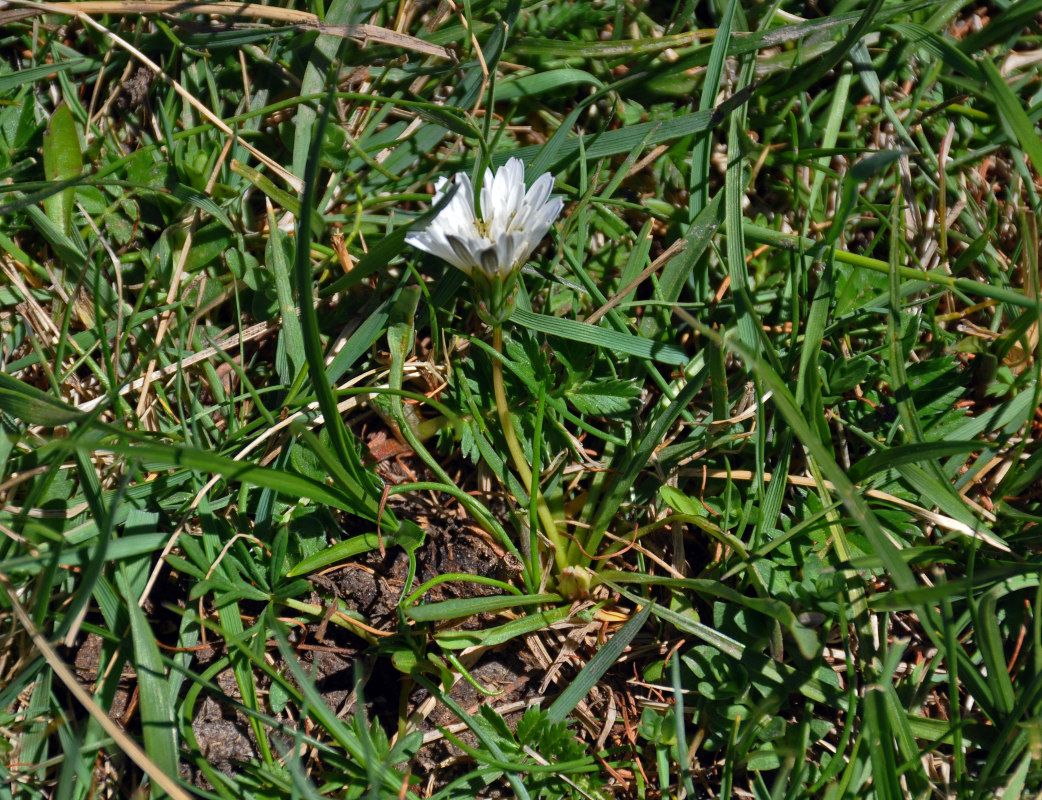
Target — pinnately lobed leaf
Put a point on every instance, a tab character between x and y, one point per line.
604	398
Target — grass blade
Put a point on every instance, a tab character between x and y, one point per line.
597	666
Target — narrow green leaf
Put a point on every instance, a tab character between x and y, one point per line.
158	726
286	483
280	197
200	201
811	73
632	463
30	405
881	745
62	161
595	668
904	738
231	623
702	146
561	48
697	238
360	341
937	46
468	606
1015	785
343	445
389	780
485	734
38	713
601	337
812	248
1013	114
291	359
991	647
822	687
886	457
540	82
104	551
339	552
616	142
25	77
491	637
81	558
734	191
446	119
322	62
805	638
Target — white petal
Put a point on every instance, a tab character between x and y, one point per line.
501	204
513	221
489	261
438	246
546	217
459	213
507	251
455	221
535	206
540	190
467	256
510	177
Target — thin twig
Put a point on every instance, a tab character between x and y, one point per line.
674	249
363	34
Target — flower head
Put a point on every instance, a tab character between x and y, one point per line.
512	222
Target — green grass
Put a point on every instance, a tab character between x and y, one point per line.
776	371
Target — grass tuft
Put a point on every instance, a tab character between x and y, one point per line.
740	500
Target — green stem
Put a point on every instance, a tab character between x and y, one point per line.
517	454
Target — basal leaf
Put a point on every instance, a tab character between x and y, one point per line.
604	398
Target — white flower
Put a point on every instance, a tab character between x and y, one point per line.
512	221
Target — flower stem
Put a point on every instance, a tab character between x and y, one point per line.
546	518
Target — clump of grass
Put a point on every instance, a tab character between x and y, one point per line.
758	514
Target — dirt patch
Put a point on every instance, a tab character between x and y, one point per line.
336	658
